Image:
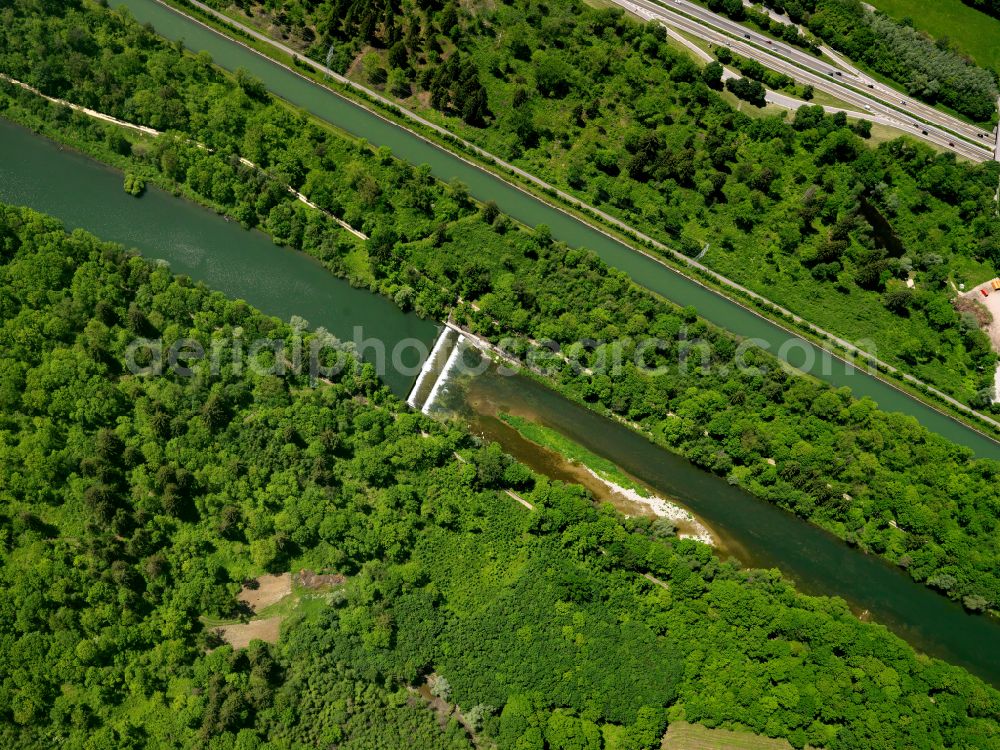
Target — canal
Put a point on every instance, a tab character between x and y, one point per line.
529	210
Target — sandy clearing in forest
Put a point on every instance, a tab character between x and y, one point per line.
683	736
270	590
992	303
240	635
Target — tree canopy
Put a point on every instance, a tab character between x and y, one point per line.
606	109
877	480
133	507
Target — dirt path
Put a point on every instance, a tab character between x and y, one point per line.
77	108
683	736
653	579
156	134
520	499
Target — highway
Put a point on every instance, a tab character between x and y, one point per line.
771	97
854	78
870	99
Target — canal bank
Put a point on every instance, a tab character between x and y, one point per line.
644	270
283	283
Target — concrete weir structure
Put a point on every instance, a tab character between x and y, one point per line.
435	370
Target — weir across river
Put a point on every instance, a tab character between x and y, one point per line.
436	369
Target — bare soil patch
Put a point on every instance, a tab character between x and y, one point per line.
315	581
443	709
986	309
239	636
268	590
683	736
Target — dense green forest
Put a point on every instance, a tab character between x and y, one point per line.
133	506
795	207
877	480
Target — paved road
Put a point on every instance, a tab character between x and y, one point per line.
947	132
772	97
854	78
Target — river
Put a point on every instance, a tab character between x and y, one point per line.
531	211
757	533
195	241
281	282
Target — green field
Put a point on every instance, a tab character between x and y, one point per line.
973	32
559	443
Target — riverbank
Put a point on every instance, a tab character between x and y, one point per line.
158	134
688	527
756	533
744	477
196	241
617	482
